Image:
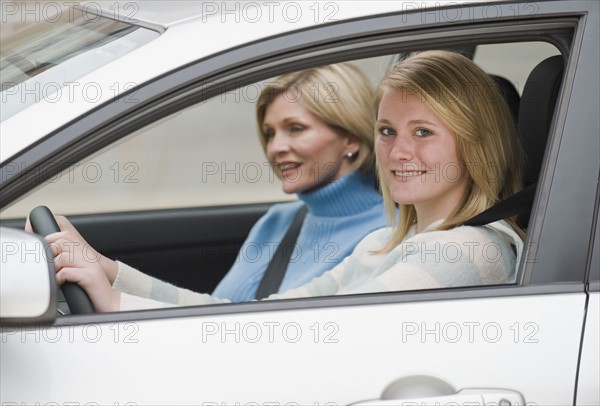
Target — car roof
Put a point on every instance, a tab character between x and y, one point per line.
168	14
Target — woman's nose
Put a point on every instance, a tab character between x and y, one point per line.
403	148
278	143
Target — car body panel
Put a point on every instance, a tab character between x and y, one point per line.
589	368
318	353
589	361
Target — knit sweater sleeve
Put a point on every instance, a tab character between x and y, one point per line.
140	291
464	256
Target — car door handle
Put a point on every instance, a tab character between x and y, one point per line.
464	397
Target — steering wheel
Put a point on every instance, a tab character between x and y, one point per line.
43	223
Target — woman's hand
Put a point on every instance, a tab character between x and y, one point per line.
70	234
76	261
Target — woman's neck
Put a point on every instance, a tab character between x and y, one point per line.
351	194
439	208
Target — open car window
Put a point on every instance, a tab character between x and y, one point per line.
208	156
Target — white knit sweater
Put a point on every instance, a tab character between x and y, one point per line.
463	256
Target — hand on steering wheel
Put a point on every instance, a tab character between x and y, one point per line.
43	223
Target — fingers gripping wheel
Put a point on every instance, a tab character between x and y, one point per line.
43	223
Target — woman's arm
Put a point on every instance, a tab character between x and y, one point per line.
464	256
352	270
133	285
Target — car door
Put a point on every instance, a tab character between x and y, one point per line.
514	343
589	370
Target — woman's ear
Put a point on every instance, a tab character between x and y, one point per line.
352	144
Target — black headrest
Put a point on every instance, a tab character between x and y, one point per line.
536	109
510	93
535	112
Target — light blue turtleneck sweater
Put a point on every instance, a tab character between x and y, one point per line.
339	216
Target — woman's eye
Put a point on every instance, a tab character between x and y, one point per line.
296	128
387	131
422	132
268	133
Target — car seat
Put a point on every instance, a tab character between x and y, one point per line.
511	95
536	110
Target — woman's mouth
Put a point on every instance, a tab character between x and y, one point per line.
285	166
406	174
288	169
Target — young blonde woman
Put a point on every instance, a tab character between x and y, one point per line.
445	152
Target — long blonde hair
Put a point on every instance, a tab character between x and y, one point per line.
468	101
340	95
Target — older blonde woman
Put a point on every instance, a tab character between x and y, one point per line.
316	129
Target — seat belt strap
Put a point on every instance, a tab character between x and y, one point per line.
271	280
516	204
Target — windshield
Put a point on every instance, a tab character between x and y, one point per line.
45	56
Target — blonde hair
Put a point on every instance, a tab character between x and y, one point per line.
468	101
340	95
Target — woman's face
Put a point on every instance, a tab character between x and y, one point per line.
417	153
305	153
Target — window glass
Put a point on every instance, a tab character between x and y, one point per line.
50	54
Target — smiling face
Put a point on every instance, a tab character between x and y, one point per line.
417	155
305	153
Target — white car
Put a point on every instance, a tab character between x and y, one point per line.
136	120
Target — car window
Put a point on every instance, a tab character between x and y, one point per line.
209	154
49	55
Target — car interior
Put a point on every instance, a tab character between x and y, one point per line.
194	245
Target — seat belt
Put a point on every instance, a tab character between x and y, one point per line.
516	204
275	272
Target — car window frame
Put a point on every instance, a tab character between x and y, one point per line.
288	52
